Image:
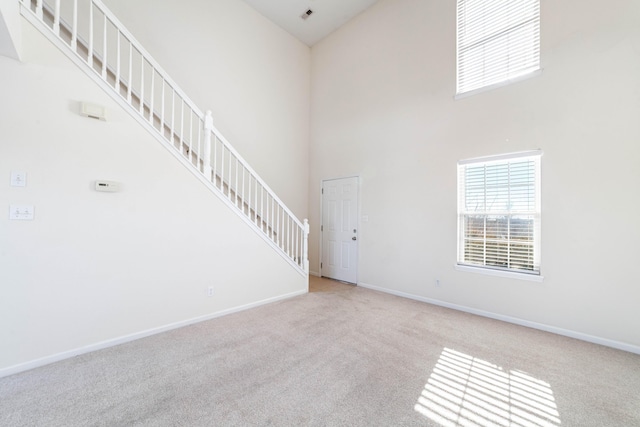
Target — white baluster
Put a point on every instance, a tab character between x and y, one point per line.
152	96
249	197
208	129
191	157
294	247
305	246
141	84
222	149
221	161
298	255
90	53
287	235
242	197
39	9
290	232
231	177
215	159
288	226
56	18
104	48
181	138
130	82
117	62
162	107
285	231
172	128
262	219
236	188
279	230
201	145
255	203
74	29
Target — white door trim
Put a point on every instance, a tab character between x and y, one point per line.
320	252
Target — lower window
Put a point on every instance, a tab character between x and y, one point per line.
499	212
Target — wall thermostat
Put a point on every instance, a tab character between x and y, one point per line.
93	111
107	186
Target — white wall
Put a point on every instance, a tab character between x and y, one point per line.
253	75
96	267
383	109
9	29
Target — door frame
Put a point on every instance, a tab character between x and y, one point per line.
322	181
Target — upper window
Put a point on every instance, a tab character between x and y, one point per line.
499	212
498	40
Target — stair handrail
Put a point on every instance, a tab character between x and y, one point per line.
295	247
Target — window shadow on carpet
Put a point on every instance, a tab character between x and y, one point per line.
465	391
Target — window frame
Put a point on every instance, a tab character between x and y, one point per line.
487	25
533	201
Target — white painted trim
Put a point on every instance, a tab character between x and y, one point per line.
499	273
314	273
529	324
511	81
11	370
505	156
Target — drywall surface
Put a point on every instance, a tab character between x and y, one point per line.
9	29
250	73
383	108
93	267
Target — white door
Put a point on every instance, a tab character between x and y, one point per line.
339	229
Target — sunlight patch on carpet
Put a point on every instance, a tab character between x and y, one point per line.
465	391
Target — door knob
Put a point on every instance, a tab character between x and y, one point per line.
353	238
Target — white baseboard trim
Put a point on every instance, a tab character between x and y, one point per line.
547	328
21	367
314	273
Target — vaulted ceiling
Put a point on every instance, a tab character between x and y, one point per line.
325	16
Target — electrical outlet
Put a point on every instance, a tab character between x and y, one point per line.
437	283
210	291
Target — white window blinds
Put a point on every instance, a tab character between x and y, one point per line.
498	40
499	212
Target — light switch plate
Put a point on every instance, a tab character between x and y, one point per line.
18	179
21	212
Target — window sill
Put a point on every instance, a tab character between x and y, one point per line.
493	86
500	273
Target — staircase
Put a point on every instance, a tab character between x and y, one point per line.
97	42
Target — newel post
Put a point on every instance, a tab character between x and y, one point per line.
208	130
305	246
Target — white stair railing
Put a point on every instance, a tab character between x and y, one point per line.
88	33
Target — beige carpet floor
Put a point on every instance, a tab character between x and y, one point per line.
338	356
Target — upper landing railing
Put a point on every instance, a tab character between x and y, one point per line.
87	32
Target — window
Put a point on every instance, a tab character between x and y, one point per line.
499	212
498	40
